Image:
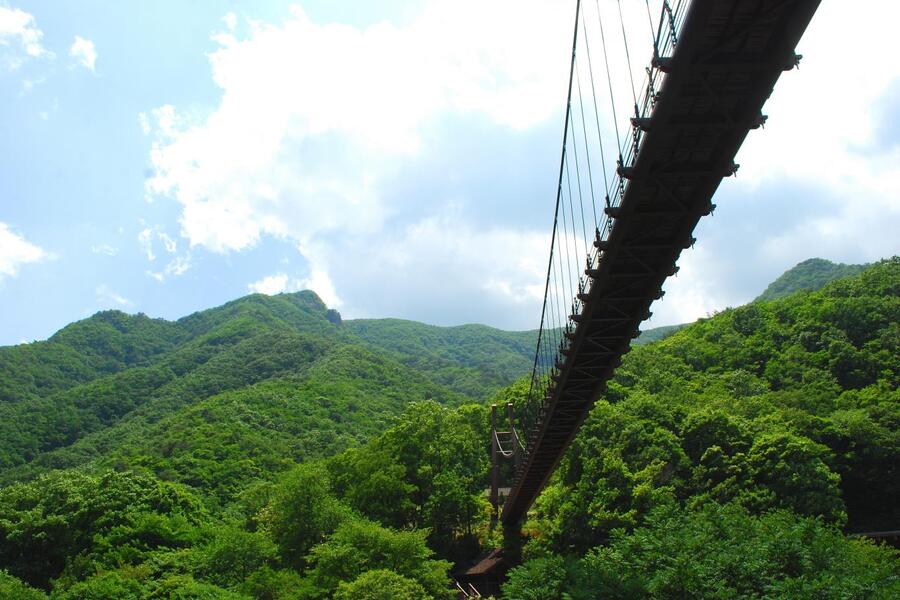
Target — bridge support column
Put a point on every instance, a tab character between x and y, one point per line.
514	437
495	462
513	540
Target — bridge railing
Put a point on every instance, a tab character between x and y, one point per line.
591	155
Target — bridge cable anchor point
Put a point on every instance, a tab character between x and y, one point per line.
625	172
662	63
793	62
641	123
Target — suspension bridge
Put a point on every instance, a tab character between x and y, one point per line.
632	190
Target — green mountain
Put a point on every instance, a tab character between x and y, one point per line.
469	359
103	385
266	450
810	275
656	334
104	344
129	384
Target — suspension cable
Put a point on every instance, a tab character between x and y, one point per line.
650	22
559	187
567	292
612	99
628	57
587	152
580	197
597	120
569	185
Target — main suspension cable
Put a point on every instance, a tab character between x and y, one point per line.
587	150
558	191
609	82
580	197
597	120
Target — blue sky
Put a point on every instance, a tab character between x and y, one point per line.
398	157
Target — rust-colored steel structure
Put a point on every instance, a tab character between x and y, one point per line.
728	56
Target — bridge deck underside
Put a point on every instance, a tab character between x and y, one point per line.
728	57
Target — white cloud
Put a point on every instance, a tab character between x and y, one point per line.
168	243
271	285
174	268
305	149
441	270
145	239
104	249
20	38
824	131
824	113
279	283
230	20
178	266
319	282
144	122
505	264
16	251
692	293
301	147
106	296
83	51
28	85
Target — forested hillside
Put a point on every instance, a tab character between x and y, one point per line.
656	334
724	460
267	450
808	275
470	359
138	382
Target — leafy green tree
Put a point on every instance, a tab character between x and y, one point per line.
358	546
105	586
303	512
381	584
725	552
791	471
185	587
537	579
233	554
375	484
45	523
427	470
283	584
12	588
713	427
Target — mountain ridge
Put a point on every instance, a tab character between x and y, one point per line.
115	372
808	275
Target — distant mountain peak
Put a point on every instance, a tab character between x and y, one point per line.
810	275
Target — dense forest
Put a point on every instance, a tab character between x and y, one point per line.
266	449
